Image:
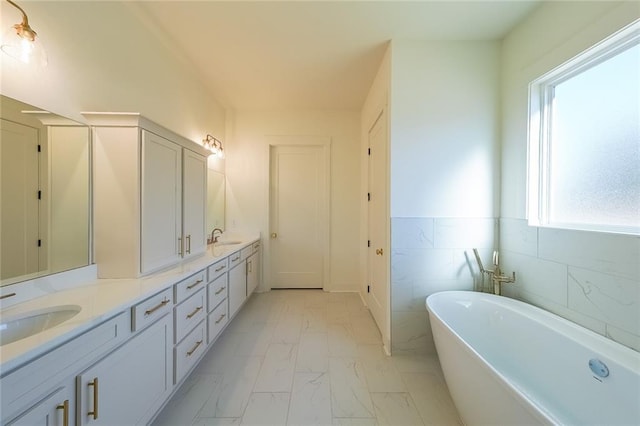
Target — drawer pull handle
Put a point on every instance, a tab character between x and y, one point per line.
194	312
198	343
221	268
180	247
65	412
94	413
221	318
155	308
235	258
220	290
188	244
189	287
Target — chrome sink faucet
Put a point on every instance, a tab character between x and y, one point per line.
496	275
214	237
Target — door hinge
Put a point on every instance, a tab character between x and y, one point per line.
368	243
369	151
368	196
39	243
39	148
368	289
39	195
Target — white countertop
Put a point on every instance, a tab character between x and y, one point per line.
100	300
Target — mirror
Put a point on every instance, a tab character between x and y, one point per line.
215	200
44	193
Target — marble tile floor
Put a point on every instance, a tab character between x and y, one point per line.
306	357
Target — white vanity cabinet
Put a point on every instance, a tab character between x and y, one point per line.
189	321
253	268
217	299
130	384
54	410
35	393
149	195
237	284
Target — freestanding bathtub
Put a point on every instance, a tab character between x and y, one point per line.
509	363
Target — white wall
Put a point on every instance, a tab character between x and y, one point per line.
102	57
588	277
444	175
247	168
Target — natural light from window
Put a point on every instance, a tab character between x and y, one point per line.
585	141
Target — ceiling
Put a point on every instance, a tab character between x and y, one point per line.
311	54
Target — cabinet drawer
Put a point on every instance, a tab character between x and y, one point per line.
255	246
150	310
218	268
189	351
216	321
246	252
189	286
234	259
188	314
217	292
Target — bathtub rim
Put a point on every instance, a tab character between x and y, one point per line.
624	355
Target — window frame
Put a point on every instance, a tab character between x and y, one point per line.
540	114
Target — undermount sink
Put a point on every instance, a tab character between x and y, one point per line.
228	243
30	323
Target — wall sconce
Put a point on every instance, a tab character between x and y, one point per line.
213	145
21	42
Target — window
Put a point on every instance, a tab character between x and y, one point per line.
584	139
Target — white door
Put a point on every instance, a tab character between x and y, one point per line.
298	216
19	165
378	295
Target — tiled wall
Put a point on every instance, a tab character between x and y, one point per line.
430	255
590	278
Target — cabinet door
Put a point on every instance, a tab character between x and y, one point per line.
54	410
253	272
128	386
237	287
161	203
194	196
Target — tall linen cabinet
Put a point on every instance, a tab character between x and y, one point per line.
150	188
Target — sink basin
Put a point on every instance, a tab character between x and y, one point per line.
228	243
30	323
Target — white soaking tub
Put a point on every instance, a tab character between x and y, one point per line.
507	362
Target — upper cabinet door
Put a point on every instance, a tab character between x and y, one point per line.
162	242
194	193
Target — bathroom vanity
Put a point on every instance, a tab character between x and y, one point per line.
133	342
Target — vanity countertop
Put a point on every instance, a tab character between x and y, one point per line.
99	299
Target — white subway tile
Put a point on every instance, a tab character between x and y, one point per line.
623	337
608	253
535	276
412	232
609	298
517	236
465	232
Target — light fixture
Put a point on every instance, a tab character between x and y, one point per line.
213	145
21	42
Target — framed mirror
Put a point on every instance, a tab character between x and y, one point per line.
215	200
45	193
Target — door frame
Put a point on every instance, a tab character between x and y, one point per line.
323	142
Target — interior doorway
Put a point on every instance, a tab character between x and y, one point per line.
378	286
299	213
